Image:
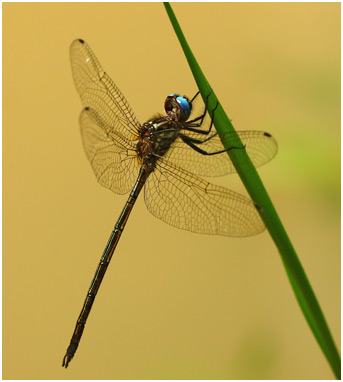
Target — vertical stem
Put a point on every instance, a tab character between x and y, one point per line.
251	180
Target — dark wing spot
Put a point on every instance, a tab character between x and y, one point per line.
81	41
258	207
267	135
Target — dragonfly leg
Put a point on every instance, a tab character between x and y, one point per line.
191	126
203	152
194	97
198	141
202	116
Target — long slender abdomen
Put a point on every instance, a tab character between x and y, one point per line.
102	267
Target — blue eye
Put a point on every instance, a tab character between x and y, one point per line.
179	106
185	107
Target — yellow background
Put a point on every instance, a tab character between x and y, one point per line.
173	305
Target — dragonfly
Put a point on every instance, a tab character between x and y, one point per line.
166	156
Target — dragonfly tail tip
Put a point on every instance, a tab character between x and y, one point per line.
66	361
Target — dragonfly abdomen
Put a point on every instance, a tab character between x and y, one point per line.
102	267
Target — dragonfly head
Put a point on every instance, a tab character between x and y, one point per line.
179	108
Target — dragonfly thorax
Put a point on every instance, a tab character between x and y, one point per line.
155	139
177	108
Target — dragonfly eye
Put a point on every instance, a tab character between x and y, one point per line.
179	105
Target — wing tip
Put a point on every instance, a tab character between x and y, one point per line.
258	207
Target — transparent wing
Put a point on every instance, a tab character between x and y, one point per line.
185	201
111	155
261	148
98	92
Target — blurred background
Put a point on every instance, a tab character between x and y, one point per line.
173	305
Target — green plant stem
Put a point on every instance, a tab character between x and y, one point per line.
251	180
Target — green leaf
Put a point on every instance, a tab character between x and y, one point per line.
252	182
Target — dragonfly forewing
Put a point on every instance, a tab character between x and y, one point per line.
98	92
260	146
